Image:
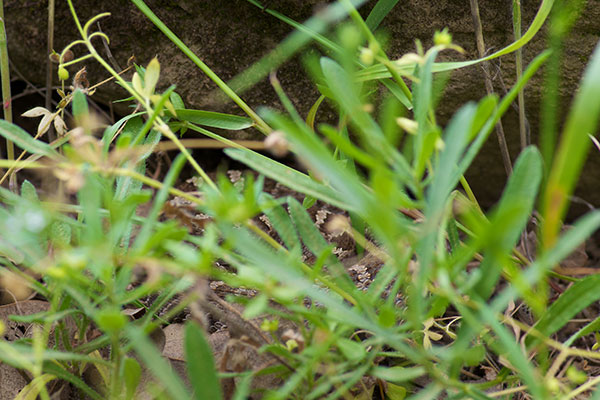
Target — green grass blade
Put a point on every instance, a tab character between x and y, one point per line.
500	110
278	267
281	222
423	144
200	364
317	37
510	217
438	194
568	242
305	226
589	328
571	154
571	302
159	200
159	367
345	93
56	370
379	12
24	140
214	119
32	390
289	177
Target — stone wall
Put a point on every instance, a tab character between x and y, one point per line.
230	35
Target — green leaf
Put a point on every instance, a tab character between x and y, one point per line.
80	105
352	350
474	355
288	176
422	101
24	140
151	76
511	216
398	374
60	233
132	373
569	241
153	360
33	388
90	199
571	302
572	151
111	131
281	223
28	191
438	195
176	100
214	119
141	241
591	327
277	265
110	320
305	226
379	12
346	95
395	392
56	370
200	364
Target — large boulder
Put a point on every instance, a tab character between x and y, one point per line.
230	36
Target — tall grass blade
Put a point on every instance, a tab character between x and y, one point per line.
24	140
572	150
200	364
379	12
159	367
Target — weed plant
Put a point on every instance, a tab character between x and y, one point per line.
437	312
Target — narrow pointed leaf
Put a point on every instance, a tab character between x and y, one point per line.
24	140
200	364
214	119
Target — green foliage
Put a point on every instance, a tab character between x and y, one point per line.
447	271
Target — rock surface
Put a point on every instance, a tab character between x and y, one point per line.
230	36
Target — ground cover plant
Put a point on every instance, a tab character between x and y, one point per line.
369	272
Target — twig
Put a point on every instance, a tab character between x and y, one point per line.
50	49
489	88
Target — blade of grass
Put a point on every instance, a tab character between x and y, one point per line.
5	76
156	363
159	200
200	364
574	145
18	136
571	302
379	12
289	177
214	119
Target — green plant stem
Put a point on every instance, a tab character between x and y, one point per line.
116	358
523	131
260	124
5	76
